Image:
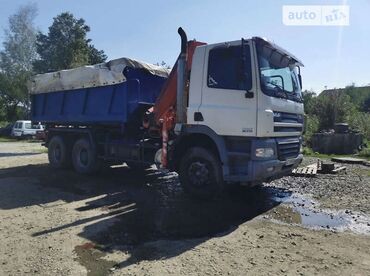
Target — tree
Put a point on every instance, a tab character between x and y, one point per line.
66	45
309	101
333	107
360	96
366	105
164	65
16	61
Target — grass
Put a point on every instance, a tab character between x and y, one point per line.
43	150
9	139
6	139
364	154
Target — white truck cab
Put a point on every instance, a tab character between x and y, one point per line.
246	94
244	102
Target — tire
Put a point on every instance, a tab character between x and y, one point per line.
201	174
84	157
58	153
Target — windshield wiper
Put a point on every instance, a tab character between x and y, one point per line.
280	90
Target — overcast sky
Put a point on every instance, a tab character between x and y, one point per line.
147	30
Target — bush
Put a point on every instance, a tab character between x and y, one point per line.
312	126
334	107
364	153
3	123
361	122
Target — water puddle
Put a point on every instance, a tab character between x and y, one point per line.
91	256
301	210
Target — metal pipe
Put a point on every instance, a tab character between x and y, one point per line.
184	40
181	78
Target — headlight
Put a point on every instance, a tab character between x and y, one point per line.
264	152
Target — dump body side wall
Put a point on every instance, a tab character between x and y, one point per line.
112	104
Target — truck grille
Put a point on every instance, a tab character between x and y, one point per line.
285	117
288	148
287	129
288	122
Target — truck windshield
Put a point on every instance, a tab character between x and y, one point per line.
278	74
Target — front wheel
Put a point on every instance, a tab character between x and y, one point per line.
201	174
84	157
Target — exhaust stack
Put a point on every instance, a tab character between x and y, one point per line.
181	78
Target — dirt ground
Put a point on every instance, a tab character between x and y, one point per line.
119	222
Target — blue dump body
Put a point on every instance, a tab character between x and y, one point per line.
113	104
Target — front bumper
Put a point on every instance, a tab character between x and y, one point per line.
271	169
266	170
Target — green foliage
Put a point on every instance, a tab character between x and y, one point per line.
6	139
66	45
365	153
334	107
360	96
14	99
312	123
309	152
361	122
2	113
349	105
309	101
3	123
19	43
16	63
164	64
25	51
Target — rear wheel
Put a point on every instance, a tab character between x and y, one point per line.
59	153
200	173
84	157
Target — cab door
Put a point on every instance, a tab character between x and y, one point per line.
229	98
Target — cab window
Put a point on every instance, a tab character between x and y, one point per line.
228	70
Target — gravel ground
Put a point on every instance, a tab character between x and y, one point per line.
349	190
119	222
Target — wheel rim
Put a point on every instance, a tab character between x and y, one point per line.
84	157
199	174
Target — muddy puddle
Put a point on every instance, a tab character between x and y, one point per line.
159	210
302	210
91	256
154	208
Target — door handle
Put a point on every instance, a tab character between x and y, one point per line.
249	94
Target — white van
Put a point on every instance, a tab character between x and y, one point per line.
24	129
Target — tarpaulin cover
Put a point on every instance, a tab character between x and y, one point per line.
102	74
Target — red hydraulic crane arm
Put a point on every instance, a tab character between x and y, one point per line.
165	109
166	102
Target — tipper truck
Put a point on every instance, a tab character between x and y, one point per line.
226	113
